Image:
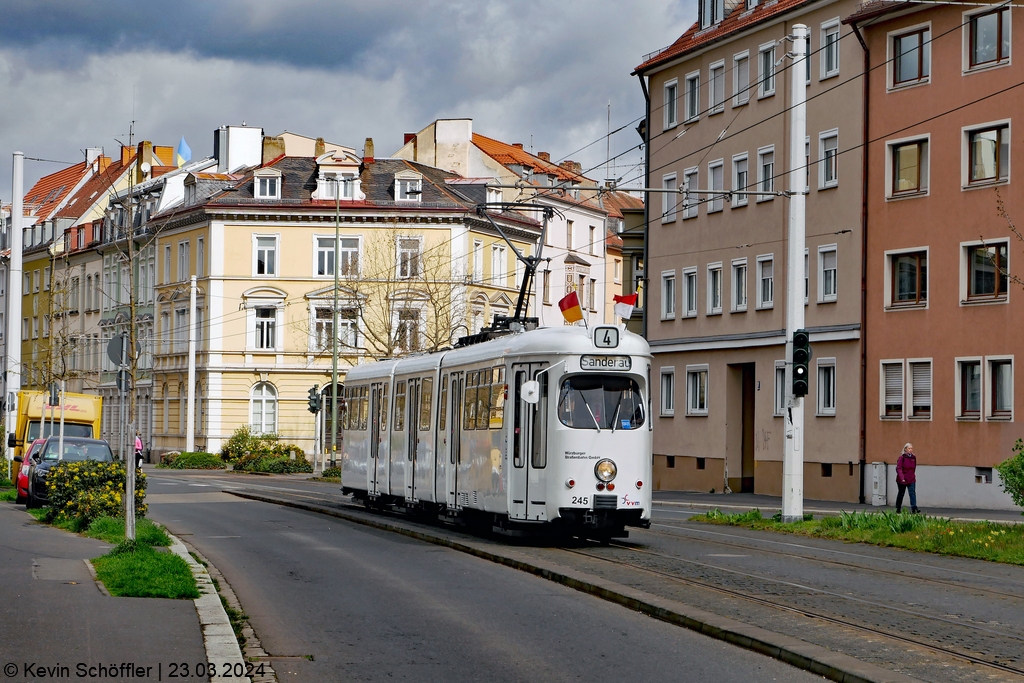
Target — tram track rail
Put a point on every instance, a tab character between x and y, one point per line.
810	613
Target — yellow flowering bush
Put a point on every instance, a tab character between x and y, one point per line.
83	491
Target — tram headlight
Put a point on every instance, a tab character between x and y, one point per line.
605	470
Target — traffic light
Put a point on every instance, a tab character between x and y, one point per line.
314	399
801	362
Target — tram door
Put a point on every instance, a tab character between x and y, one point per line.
456	383
527	489
412	437
378	432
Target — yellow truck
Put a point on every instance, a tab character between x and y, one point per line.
82	415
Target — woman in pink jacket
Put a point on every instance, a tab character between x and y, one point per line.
906	478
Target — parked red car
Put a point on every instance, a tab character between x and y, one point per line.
23	471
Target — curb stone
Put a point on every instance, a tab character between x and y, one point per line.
218	637
798	653
96	579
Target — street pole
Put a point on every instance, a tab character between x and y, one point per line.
14	294
334	324
190	420
129	467
793	457
60	440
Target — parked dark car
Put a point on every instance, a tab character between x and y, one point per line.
76	449
26	466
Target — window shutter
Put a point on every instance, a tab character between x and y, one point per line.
921	388
829	260
893	389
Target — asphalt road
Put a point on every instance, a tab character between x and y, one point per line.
336	601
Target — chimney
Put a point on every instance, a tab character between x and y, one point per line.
320	147
544	156
126	154
517	145
145	158
368	152
408	137
273	147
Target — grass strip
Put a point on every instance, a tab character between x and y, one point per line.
8	495
138	571
989	541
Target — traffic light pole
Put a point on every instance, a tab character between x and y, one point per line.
793	457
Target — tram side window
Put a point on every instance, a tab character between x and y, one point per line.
483	399
538	450
517	418
600	402
399	421
469	399
442	405
383	412
364	407
497	397
346	397
426	395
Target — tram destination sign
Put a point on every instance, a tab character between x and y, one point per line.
606	363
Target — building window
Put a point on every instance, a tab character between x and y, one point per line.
739	285
830	49
828	150
740	79
827	387
671	96
408	189
262	408
592	294
920	389
568	229
266	256
765	281
408	257
617	271
668	392
714	289
807	59
780	388
909	278
668	199
909	167
407	333
266	328
969	376
499	267
766	80
988	271
668	295
200	256
892	390
989	38
989	154
268	187
690	292
692	97
740	180
716	88
167	270
184	261
547	286
766	174
911	57
1000	374
592	245
690	201
697	390
828	273
711	12
716	183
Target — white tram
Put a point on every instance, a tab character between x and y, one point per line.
545	428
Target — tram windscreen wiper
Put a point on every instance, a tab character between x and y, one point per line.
596	426
615	417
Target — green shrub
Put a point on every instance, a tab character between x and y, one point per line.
83	491
332	473
195	461
245	441
275	464
263	453
1011	474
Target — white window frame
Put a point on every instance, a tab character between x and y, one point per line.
924	186
408	187
828	27
668	199
957	388
823	297
255	254
276	329
965	155
184	260
716	106
762	303
887	283
670	93
903	389
807	275
761	153
965	31
691	204
826	395
317	249
824	182
988	388
965	273
740	270
263	399
738	200
712	268
779	390
689	281
499	266
716	202
667	392
691	84
259	191
890	55
765	83
740	90
398	257
908	385
668	303
695	371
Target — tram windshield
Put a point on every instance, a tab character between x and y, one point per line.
600	402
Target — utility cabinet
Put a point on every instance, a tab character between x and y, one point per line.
878	482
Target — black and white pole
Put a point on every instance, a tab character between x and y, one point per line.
793	458
190	424
129	462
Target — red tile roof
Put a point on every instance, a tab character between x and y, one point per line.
614	202
48	192
874	8
507	154
94	188
739	18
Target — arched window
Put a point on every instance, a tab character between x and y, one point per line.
263	408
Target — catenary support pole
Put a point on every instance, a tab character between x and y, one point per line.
190	424
14	293
793	457
129	462
334	325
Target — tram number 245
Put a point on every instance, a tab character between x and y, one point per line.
580	500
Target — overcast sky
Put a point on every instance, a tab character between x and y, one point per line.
73	74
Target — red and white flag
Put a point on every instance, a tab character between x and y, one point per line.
624	305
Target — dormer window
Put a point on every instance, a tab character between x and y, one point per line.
267	184
711	12
493	195
408	187
333	185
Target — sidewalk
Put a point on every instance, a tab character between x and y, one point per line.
55	616
742	502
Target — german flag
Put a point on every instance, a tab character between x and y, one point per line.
570	306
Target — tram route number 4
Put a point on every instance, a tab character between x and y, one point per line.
606	337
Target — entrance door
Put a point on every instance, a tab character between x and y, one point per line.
456	383
749	387
378	434
527	490
412	438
